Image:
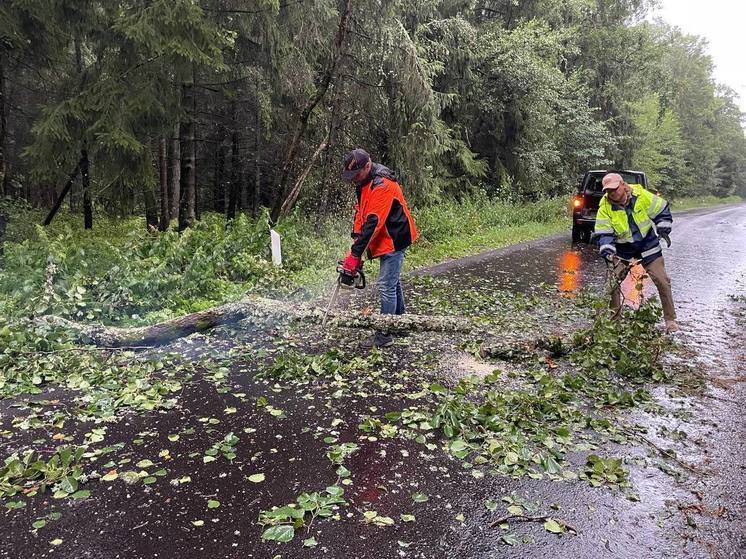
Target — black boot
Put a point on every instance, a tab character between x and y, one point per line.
379	340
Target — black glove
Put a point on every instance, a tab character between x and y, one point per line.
665	237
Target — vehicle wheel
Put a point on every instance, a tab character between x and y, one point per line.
577	233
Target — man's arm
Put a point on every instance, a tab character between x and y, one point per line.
604	234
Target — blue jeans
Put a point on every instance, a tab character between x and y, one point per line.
389	283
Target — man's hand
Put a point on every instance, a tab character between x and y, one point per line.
664	236
608	251
351	264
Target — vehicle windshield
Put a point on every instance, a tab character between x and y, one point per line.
594	182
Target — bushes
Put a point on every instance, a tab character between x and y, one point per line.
118	272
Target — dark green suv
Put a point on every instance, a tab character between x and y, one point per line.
586	200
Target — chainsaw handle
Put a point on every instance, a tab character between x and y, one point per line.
360	280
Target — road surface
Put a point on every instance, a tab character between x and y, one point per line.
678	514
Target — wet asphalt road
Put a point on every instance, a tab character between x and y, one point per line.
707	264
699	516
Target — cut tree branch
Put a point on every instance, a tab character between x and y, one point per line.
257	308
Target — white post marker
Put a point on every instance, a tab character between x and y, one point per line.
276	248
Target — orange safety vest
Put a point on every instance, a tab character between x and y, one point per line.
383	223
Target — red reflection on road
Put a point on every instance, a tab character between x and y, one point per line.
569	272
633	285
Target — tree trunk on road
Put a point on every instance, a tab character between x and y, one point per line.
260	309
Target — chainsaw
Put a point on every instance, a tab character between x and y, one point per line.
345	280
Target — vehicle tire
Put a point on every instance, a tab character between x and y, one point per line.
577	233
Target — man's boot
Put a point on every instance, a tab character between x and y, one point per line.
379	340
672	326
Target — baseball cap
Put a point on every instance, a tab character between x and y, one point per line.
353	162
612	181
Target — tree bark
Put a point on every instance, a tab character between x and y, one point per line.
292	197
188	160
219	200
163	173
308	109
235	186
61	197
87	206
3	127
175	183
259	309
151	208
257	194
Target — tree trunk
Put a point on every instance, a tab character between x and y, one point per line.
257	195
219	201
259	309
235	185
188	160
163	173
3	128
87	206
151	206
289	203
61	197
305	114
175	183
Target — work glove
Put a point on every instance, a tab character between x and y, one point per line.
351	264
608	252
663	235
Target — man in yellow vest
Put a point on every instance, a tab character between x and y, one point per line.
629	225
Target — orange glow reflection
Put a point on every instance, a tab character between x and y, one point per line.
632	287
569	272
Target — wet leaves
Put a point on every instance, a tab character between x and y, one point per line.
553	526
110	476
282	534
372	517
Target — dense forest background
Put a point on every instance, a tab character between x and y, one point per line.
187	106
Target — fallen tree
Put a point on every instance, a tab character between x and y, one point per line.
258	308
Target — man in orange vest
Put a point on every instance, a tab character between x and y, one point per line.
383	228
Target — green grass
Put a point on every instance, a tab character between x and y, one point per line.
694	202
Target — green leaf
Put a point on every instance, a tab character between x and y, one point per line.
510	539
81	494
198	522
256	478
15	504
213	504
420	497
553	526
39	524
310	542
515	510
407	517
282	533
56	541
